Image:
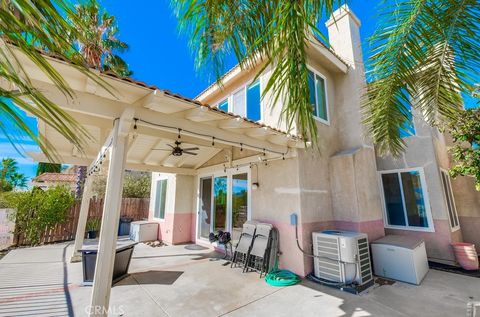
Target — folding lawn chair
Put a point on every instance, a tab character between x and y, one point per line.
259	256
244	244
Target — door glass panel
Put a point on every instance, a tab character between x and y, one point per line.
414	201
220	203
239	204
393	200
205	207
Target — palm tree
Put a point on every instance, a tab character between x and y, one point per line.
10	178
98	42
274	32
25	27
425	53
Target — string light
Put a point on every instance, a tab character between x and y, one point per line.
241	144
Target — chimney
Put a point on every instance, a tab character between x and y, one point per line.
344	36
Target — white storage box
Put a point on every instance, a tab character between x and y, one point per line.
401	258
141	231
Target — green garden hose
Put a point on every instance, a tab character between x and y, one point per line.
278	277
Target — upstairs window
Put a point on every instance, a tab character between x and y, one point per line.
452	209
223	105
245	102
254	108
318	96
239	103
406	203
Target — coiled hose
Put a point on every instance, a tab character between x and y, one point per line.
278	277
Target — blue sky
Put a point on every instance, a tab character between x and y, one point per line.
159	55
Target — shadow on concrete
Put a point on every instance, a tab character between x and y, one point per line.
153	277
31	294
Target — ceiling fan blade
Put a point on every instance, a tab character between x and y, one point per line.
171	146
169	150
192	149
191	153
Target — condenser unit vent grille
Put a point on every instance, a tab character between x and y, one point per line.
364	257
327	267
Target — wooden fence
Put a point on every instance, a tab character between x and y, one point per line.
135	208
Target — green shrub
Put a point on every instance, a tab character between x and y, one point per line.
37	210
93	224
465	131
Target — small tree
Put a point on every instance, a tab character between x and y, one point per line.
37	210
135	185
465	131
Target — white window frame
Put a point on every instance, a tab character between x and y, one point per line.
452	227
229	174
161	177
420	170
316	72
244	86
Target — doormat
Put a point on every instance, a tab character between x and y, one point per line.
453	269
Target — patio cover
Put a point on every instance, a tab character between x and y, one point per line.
127	122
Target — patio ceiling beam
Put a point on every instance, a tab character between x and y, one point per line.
102	281
83	161
101	107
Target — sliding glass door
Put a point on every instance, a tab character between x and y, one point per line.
239	203
205	207
224	203
220	203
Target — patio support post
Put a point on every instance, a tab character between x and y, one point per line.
102	281
82	219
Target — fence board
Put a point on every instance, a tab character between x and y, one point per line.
135	208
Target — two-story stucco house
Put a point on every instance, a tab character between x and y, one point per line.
345	185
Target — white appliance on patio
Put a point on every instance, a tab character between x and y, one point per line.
141	231
344	256
401	258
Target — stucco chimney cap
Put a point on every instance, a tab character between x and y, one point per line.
341	12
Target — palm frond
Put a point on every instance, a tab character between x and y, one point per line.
266	33
428	48
33	29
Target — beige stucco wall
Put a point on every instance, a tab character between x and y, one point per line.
427	150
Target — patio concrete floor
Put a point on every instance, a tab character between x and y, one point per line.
176	281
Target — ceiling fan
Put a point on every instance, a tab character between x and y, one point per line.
178	151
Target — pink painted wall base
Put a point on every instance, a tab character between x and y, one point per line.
175	228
